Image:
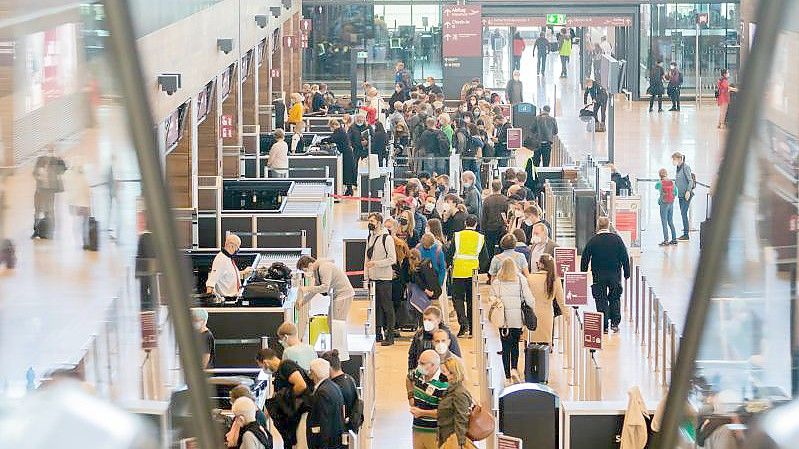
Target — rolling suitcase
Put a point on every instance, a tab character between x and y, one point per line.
8	254
318	325
536	363
93	243
705	225
407	318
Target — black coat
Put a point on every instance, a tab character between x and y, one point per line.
454	224
379	143
326	418
607	254
357	140
425	277
349	167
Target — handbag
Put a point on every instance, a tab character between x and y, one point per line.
528	314
481	424
496	313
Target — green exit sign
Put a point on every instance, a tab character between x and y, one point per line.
556	19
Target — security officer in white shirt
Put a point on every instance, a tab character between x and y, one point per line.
224	279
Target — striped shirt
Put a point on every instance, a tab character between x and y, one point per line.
426	395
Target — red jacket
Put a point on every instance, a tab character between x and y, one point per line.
518	47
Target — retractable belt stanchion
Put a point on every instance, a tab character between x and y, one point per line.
369	327
664	351
637	297
649	309
642	310
656	339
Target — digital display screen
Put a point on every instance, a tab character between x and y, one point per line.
50	65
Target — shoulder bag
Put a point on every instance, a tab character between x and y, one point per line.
528	314
481	423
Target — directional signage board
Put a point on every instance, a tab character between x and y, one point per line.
556	19
514	138
565	260
592	330
576	288
462	31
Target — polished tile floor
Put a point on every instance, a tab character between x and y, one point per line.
56	297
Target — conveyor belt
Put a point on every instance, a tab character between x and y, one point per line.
288	256
300	206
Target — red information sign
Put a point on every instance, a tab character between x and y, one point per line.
306	25
626	218
514	138
149	330
289	41
565	260
462	31
275	73
576	288
227	128
304	40
593	323
571	21
508	442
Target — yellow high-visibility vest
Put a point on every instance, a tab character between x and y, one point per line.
468	244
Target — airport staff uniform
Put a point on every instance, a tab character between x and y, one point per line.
468	245
224	276
329	279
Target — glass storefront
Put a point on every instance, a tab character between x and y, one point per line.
668	33
389	32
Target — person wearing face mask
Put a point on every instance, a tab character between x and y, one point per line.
325	426
540	243
405	231
200	321
442	342
471	193
514	89
287	408
425	386
360	134
328	279
511	288
423	338
532	216
378	260
674	76
684	179
224	279
293	348
454	216
548	290
429	210
431	88
443	189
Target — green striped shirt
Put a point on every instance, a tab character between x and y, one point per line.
426	395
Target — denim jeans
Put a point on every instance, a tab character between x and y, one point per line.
666	214
684	206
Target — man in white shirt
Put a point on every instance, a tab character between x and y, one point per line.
278	161
224	279
328	279
605	46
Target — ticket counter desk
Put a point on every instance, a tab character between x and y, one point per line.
241	331
593	424
267	213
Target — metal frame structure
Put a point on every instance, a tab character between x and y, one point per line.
128	70
770	16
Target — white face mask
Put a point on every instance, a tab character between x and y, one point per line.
429	207
441	348
535	240
429	325
198	325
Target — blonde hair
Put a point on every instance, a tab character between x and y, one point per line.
428	240
508	271
334	124
456	374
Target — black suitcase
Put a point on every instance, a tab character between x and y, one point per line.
8	255
705	225
536	363
94	236
407	317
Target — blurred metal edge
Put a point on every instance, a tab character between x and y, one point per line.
127	66
729	184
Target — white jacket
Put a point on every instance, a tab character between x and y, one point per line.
634	433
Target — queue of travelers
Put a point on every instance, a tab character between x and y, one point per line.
421	255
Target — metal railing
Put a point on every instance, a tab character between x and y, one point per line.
488	392
584	370
652	324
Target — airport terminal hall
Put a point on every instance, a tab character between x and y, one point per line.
399	224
